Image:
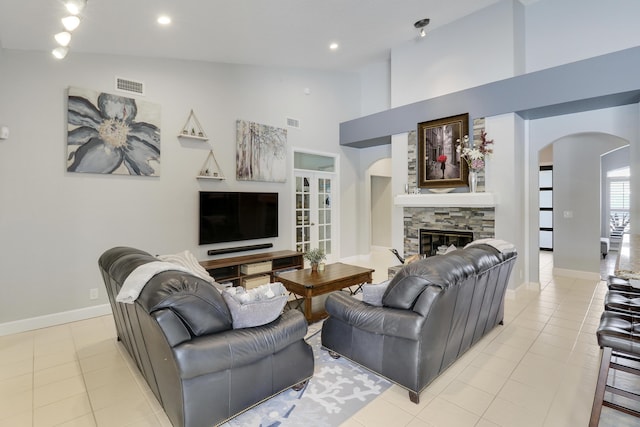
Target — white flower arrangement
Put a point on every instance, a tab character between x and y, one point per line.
475	156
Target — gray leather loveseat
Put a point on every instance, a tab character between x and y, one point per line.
431	312
179	333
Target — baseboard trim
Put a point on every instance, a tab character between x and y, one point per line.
54	319
514	293
576	274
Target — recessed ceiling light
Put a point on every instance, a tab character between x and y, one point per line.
164	20
334	46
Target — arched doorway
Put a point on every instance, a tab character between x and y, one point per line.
577	201
380	204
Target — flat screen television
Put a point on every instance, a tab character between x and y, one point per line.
234	216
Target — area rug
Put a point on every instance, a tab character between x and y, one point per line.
337	390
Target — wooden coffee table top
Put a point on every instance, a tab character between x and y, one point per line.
334	277
332	273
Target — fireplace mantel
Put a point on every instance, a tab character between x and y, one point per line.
446	200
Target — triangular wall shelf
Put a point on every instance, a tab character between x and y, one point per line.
210	169
192	129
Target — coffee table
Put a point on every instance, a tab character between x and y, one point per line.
308	284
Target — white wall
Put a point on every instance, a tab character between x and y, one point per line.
506	177
576	200
563	31
368	158
381	200
400	168
493	44
375	88
54	225
477	49
381	203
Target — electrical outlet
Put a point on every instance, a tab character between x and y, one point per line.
93	293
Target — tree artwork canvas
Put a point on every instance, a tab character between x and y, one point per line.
112	134
261	152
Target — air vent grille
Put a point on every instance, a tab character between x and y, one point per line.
130	86
293	123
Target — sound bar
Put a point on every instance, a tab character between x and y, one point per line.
239	249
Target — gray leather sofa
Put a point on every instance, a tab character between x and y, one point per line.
432	312
179	333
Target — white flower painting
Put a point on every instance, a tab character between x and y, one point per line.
261	152
111	134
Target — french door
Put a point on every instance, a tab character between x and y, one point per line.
314	212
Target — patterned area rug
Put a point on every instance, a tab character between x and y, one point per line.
337	390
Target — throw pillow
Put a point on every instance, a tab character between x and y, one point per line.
372	294
403	291
257	306
188	260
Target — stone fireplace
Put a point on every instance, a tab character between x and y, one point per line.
476	222
469	213
433	242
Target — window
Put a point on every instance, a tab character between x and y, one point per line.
619	198
545	197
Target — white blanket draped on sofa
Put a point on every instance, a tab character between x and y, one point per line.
139	277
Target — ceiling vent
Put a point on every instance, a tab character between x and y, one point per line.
293	123
130	86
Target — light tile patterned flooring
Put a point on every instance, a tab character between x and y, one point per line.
539	369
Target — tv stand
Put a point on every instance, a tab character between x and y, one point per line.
225	270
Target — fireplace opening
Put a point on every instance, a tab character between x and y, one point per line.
433	242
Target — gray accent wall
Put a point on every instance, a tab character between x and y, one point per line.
605	81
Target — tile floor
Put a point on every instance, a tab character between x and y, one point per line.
539	369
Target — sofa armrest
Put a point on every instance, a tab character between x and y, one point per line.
379	320
233	348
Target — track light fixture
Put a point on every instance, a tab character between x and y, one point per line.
60	52
70	22
420	26
75	6
63	38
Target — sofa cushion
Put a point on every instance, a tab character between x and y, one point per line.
372	294
441	270
257	306
198	304
403	293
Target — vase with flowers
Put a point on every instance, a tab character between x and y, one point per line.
475	156
442	159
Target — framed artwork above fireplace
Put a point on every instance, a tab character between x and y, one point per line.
439	164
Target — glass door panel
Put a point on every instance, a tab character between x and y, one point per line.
314	212
545	183
303	214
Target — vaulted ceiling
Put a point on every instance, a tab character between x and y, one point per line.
292	33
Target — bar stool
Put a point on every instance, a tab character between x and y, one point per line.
615	283
623	302
619	338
